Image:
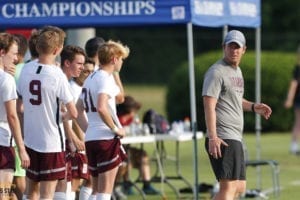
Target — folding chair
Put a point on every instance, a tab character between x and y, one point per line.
274	166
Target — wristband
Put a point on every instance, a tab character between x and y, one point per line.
252	107
115	129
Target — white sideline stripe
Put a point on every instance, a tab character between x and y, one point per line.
295	182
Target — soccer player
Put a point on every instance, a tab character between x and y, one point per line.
9	121
101	91
42	87
72	61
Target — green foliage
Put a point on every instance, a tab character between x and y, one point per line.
154	51
273	11
276	69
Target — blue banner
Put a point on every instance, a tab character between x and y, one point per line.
210	13
92	13
245	13
216	13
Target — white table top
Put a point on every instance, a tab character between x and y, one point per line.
186	136
138	139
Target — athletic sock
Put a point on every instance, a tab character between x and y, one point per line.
92	197
72	195
60	196
85	193
103	196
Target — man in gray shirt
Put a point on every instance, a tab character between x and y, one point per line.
223	91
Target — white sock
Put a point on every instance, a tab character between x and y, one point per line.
92	197
60	196
103	196
85	193
68	190
294	147
72	195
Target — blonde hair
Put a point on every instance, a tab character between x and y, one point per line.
50	37
112	49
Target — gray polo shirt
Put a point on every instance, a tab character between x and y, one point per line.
226	84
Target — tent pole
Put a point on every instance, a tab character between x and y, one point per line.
225	31
258	100
79	36
193	103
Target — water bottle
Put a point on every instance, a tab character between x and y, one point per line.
187	124
146	129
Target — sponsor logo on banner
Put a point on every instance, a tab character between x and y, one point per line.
77	8
178	12
243	9
209	8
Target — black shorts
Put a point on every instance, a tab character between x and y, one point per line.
231	165
137	156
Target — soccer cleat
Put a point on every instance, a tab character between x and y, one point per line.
150	190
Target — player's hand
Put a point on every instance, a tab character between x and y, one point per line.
263	109
214	147
79	145
25	160
121	132
10	69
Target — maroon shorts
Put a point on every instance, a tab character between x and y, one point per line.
68	163
68	167
7	158
104	155
46	166
79	166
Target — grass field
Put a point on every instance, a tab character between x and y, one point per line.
273	146
150	97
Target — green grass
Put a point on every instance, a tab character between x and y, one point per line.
273	146
150	97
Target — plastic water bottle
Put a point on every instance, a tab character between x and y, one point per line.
146	129
136	126
187	124
133	129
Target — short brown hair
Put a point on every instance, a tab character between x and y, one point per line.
129	104
6	40
32	43
69	52
110	49
89	61
92	46
22	44
50	37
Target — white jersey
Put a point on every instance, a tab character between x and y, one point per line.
7	93
97	83
42	88
75	89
